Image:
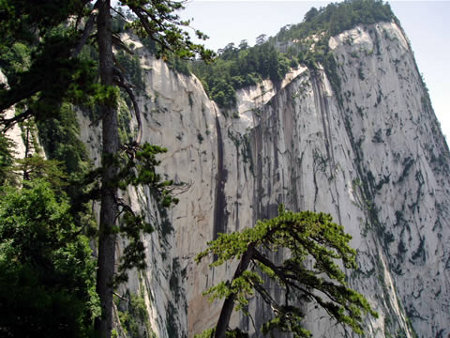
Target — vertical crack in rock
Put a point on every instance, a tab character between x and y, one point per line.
321	163
258	189
238	180
220	214
322	107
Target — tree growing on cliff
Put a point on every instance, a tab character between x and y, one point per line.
47	273
307	239
55	33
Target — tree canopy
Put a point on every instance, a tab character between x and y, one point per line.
60	54
47	279
314	248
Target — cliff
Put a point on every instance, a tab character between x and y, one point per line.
358	140
330	115
369	151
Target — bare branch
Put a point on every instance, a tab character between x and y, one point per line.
127	87
266	297
9	123
125	208
88	28
119	296
119	43
118	13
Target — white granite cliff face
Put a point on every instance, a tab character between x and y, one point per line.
370	153
14	133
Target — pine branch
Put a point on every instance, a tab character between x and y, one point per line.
88	28
9	123
119	44
148	29
121	82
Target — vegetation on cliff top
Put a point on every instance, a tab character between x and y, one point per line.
242	66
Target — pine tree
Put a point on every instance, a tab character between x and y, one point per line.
56	32
307	239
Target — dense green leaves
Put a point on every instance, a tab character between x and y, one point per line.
315	247
239	68
6	158
336	18
138	168
20	20
133	316
36	48
60	139
47	272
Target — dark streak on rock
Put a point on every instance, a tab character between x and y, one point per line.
220	214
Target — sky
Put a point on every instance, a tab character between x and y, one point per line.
425	23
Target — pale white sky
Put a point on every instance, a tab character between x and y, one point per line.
425	22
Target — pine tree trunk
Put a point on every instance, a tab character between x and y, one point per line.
109	208
228	305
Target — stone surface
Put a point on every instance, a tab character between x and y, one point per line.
14	133
372	156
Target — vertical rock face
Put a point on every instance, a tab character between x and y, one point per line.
370	153
14	133
403	160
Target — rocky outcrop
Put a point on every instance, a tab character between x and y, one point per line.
369	152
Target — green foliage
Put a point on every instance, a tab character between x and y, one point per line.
47	285
41	54
158	21
60	139
288	320
304	237
242	287
25	17
6	158
15	60
133	315
209	333
126	134
48	75
338	17
36	167
138	167
241	67
132	67
179	65
69	163
139	164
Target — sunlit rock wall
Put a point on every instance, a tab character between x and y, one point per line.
14	134
370	153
